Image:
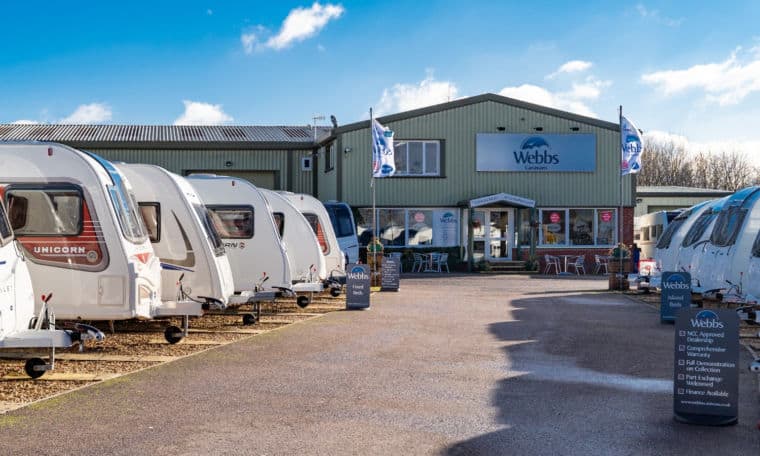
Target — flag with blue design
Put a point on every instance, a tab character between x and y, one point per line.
631	147
383	160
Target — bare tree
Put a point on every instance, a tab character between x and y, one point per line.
664	163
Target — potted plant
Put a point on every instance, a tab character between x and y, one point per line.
619	253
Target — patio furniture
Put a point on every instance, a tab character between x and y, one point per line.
600	262
419	259
578	264
432	263
551	262
443	261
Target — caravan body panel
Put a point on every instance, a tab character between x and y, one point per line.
245	224
181	233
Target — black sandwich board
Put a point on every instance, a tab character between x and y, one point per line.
706	371
390	275
357	286
676	294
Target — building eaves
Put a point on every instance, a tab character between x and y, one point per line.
671	190
480	99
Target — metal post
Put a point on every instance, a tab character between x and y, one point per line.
372	184
620	214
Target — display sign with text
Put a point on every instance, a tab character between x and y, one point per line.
357	286
676	294
390	275
706	373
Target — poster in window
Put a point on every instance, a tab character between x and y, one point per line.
446	228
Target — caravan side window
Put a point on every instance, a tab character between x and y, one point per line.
279	222
45	212
233	222
696	230
151	215
727	227
319	232
5	227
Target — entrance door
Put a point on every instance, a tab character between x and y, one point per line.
493	233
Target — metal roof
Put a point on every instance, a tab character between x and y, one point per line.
673	190
166	135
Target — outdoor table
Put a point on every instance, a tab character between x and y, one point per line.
427	259
564	272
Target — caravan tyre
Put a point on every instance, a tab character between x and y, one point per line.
335	292
30	365
249	319
173	334
303	301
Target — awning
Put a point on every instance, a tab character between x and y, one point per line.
501	199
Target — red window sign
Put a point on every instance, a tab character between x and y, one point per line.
554	217
606	216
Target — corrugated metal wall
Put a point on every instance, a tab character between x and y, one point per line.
182	161
458	128
658	203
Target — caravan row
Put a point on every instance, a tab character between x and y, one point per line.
718	243
116	241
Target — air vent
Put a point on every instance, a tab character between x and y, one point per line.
296	132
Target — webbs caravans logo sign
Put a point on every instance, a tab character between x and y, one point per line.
358	273
535	153
676	282
706	319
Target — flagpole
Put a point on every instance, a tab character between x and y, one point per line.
372	184
620	174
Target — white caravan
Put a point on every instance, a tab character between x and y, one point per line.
244	221
666	250
317	216
725	258
307	264
650	227
75	215
694	241
183	236
19	326
345	229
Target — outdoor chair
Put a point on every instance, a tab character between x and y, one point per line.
551	262
443	261
418	261
578	265
600	263
433	265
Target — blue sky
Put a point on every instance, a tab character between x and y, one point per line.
691	71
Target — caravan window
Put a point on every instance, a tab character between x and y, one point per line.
151	215
125	205
45	212
727	226
664	241
233	222
209	226
341	220
319	232
279	222
5	227
698	229
756	246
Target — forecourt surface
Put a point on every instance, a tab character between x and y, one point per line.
448	365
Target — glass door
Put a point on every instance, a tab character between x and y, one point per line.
493	234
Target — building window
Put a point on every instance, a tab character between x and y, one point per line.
417	158
412	227
329	157
578	227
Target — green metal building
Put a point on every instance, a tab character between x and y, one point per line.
487	178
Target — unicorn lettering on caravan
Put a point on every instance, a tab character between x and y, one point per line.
67	250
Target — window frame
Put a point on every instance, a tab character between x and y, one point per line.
408	218
329	157
48	189
157	206
235	208
567	244
440	158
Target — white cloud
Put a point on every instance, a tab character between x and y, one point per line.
403	97
299	25
92	113
25	122
655	16
574	100
198	113
573	66
724	83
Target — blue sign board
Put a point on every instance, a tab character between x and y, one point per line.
676	294
535	153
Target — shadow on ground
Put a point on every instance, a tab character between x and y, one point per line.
591	374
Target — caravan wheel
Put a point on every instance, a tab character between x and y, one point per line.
30	365
303	301
173	334
335	292
249	319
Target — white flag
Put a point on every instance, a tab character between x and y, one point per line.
383	160
631	147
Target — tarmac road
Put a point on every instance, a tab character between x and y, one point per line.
449	365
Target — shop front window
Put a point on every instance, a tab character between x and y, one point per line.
606	233
577	227
581	227
391	226
553	226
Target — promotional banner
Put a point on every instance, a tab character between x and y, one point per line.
357	286
535	153
383	160
446	228
631	146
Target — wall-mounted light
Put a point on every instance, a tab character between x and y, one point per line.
501	128
538	128
347	150
574	128
228	164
